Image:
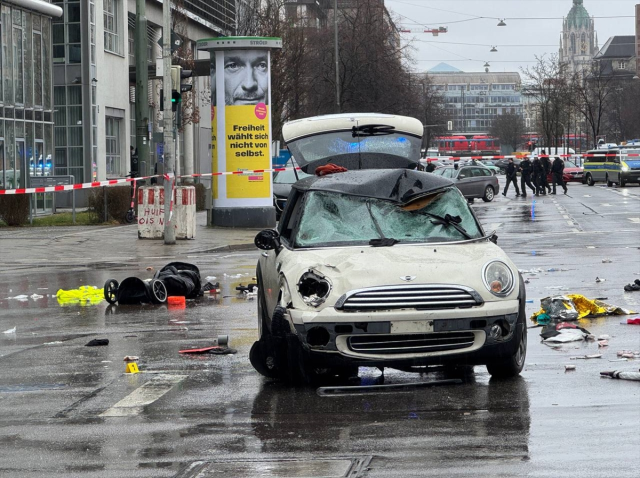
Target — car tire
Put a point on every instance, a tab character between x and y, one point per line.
609	182
590	180
513	365
489	194
263	360
159	291
623	182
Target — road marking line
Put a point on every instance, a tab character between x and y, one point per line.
148	393
565	216
570	223
634	219
605	204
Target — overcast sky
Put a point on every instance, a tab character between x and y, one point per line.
533	28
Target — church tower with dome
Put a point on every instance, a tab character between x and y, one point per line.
578	42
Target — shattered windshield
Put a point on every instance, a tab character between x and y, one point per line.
318	147
331	219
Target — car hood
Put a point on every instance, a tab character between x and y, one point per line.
352	268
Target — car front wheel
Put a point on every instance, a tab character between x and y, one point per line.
590	180
489	194
513	365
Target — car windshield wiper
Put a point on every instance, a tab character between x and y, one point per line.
372	130
448	220
382	241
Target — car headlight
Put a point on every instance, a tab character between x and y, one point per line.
498	278
314	288
624	168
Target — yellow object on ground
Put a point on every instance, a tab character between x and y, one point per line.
84	295
586	308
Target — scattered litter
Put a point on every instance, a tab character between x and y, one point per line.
635	321
600	280
149	268
607	261
526	281
97	343
211	288
215	349
36	296
568	368
603	343
246	288
574	306
628	354
10	331
619	360
56	342
587	357
604	337
210	278
633	287
563	332
635	376
250	295
131	358
84	295
530	271
19	297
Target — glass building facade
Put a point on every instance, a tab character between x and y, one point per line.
26	103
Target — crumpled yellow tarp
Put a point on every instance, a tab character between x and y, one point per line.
84	295
588	308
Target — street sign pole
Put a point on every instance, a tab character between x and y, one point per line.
168	151
142	93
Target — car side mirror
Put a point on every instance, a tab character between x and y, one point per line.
494	238
462	176
267	239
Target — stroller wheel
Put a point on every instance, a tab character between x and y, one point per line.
159	291
111	291
130	217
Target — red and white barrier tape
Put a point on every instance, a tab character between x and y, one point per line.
111	182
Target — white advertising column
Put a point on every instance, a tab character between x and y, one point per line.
241	130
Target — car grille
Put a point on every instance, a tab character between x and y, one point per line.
410	296
410	343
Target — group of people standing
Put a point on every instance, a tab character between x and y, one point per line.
533	174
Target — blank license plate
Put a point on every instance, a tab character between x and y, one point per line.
411	326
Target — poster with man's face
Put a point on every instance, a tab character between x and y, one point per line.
246	77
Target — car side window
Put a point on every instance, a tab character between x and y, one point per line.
464	173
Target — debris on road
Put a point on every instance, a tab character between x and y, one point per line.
633	287
83	295
97	343
214	349
131	358
572	307
628	354
586	357
568	368
10	331
598	279
622	375
634	321
607	261
564	332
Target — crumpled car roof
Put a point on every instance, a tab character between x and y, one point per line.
396	185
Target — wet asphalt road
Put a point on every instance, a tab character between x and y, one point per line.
69	410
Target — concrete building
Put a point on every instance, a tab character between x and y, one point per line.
94	94
578	41
26	95
474	100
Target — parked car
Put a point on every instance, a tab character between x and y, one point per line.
571	173
475	182
381	267
491	165
282	181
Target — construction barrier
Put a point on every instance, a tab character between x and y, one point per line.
151	206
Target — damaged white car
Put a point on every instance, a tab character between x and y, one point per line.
381	267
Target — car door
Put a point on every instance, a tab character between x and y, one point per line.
467	181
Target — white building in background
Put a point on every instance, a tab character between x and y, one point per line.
93	54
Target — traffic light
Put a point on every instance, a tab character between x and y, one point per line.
176	95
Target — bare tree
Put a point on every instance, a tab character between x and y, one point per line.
547	85
593	94
510	128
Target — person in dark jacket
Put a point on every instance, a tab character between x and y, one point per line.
546	164
537	170
512	177
556	170
525	176
431	167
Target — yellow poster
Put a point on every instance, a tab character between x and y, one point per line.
247	149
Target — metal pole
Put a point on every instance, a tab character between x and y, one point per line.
167	122
335	41
142	91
